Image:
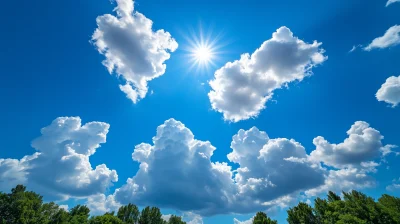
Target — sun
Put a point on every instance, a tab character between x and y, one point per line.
203	54
202	50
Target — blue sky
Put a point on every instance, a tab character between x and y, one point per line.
51	68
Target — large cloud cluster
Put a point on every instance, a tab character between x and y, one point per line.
61	167
132	49
241	88
176	171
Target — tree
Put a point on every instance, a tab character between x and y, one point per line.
262	218
79	214
175	220
151	216
23	206
390	206
129	214
105	219
301	214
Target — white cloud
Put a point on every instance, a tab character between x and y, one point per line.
390	91
271	168
363	144
353	160
100	204
345	179
192	218
132	49
13	172
177	172
166	217
249	221
389	39
65	207
61	168
241	88
389	2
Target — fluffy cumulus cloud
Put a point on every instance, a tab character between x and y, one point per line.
176	172
352	161
271	168
389	2
241	88
389	39
132	49
390	91
14	171
363	144
100	204
61	167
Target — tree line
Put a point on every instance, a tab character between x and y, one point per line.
354	208
27	207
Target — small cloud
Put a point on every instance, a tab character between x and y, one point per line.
391	2
355	47
65	207
390	91
389	39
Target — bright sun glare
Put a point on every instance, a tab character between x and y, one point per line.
203	50
203	54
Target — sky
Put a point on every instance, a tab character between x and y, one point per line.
212	110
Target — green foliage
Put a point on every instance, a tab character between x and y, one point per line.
79	214
302	213
391	206
106	219
175	220
151	216
129	214
262	218
26	207
354	208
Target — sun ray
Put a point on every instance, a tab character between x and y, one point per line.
203	49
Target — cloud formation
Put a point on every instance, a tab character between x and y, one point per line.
363	144
391	38
249	221
132	49
390	91
352	161
14	171
100	204
271	168
61	169
241	88
389	2
177	172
